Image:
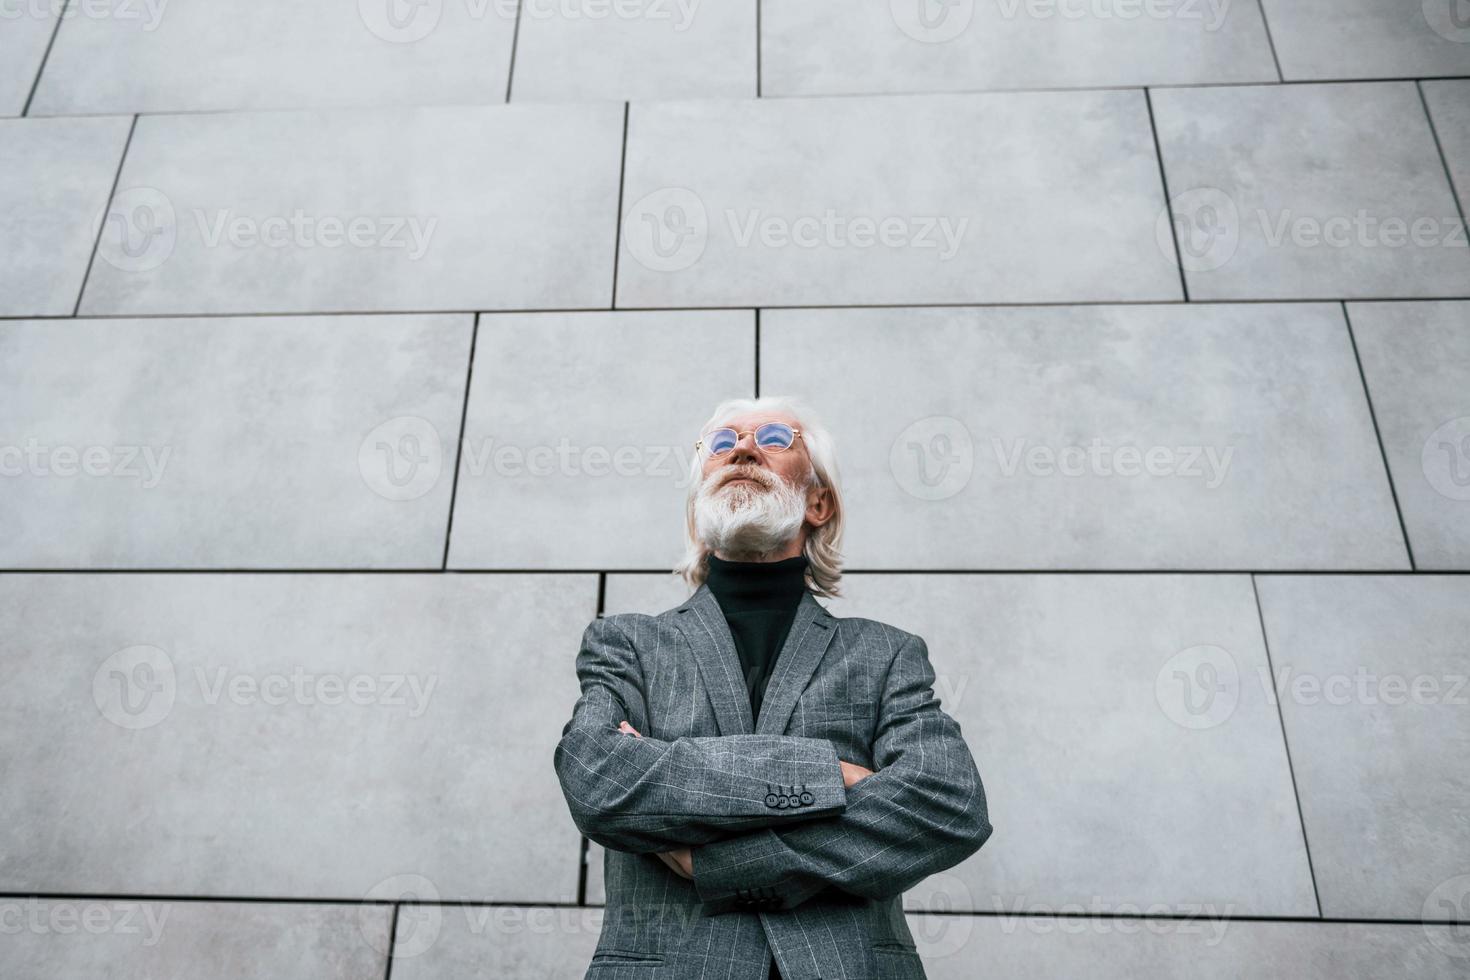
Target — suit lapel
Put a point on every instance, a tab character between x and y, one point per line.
703	625
811	632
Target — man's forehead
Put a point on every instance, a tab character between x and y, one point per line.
747	419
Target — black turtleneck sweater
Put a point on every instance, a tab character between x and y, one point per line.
759	600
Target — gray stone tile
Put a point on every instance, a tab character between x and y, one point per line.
567	461
1083	686
328	736
646	49
1082	699
162	56
1371	673
28	29
826	47
351	210
256	442
1013	197
1020	948
1416	358
1449	107
543	942
58	173
644	593
61	939
596	880
1370	38
474	942
1310	192
1151	437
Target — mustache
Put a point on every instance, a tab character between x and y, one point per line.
743	472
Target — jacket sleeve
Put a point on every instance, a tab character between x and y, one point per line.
921	812
644	795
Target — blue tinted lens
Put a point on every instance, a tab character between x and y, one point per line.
721	441
774	435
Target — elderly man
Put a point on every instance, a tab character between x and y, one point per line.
767	778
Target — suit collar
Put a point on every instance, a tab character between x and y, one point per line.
703	624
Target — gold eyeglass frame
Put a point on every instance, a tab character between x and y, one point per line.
699	444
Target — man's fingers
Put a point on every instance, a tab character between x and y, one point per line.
675	865
628	729
853	774
677	862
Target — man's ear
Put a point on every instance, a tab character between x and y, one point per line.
819	506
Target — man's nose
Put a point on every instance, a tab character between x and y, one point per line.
745	450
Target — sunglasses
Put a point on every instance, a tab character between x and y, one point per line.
772	437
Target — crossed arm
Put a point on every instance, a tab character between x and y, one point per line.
872	835
921	812
648	795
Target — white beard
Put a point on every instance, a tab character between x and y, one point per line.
744	521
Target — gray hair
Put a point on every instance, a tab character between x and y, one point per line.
824	559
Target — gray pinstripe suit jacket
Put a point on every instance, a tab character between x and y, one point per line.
786	861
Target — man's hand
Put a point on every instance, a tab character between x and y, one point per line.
682	860
853	774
